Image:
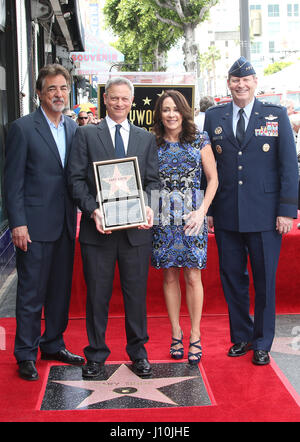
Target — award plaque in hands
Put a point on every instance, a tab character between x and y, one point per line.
120	193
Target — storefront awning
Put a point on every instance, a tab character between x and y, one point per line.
98	57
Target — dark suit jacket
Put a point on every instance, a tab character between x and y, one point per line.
259	180
93	143
35	185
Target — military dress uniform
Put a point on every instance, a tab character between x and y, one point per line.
258	182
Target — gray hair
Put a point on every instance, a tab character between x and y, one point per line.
119	80
206	103
52	70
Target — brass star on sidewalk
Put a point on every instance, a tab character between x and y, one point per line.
287	345
123	382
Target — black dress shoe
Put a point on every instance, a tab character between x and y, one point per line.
260	357
239	349
92	369
141	367
28	371
63	356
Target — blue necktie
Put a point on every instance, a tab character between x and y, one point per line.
119	145
240	128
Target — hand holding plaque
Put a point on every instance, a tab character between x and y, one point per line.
98	219
120	194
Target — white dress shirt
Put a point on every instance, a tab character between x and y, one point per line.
125	129
59	135
247	114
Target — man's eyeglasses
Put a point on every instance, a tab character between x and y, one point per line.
83	118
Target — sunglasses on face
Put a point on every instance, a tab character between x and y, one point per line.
83	118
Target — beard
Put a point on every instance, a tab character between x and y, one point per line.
58	105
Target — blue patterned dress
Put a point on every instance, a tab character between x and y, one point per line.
180	169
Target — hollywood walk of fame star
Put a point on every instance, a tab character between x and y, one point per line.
287	345
147	101
118	182
123	382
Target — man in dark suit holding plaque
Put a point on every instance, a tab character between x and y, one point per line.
113	138
254	206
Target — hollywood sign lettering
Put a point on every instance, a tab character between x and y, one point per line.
145	96
141	117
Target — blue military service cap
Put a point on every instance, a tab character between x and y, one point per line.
241	68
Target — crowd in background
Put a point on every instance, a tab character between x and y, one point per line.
83	117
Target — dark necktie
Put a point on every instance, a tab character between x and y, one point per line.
119	145
240	128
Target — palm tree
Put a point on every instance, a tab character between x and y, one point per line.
208	62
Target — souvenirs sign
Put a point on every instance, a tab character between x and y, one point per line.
120	193
145	97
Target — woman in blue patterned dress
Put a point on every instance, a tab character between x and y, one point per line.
180	230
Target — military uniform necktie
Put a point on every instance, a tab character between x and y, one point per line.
240	128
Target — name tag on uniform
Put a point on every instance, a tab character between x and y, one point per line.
270	130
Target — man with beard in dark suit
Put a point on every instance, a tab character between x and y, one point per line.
101	250
42	218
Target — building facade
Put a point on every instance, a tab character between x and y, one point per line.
275	31
274	36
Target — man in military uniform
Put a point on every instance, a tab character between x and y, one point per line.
254	206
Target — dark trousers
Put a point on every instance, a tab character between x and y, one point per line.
99	264
263	249
44	281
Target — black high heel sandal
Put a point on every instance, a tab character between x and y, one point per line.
179	352
195	358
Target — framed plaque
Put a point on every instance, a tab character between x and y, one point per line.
120	193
